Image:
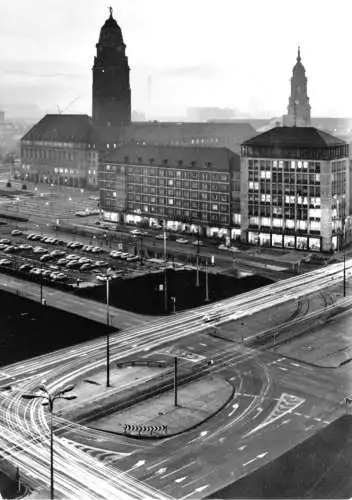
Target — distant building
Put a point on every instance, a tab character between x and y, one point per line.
190	189
298	110
2	116
59	150
295	189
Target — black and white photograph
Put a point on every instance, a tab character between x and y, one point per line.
175	249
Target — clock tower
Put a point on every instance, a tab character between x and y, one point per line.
298	110
111	78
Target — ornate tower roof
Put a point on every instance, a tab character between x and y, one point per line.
110	33
298	110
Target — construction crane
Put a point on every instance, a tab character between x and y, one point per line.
62	111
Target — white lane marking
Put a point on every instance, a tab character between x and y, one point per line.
259	411
136	465
235	408
221	440
204	345
308	428
241	448
317	419
261	455
296	364
179	480
203	433
281	359
197	490
202	488
283	368
232	378
178	470
326	422
298	413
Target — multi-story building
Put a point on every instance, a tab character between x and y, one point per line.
295	189
59	150
192	189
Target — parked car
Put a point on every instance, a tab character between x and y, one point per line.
97	250
5	241
86	266
223	247
3	246
136	232
46	257
58	276
46	273
115	254
73	263
25	267
16	232
25	247
36	271
99	277
72	256
30	236
36	237
57	253
182	240
87	248
62	262
5	262
40	250
161	236
99	263
10	249
76	244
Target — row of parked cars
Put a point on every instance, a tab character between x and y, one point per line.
36	271
129	257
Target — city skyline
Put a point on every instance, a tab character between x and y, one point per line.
223	55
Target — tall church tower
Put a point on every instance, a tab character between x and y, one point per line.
298	110
111	78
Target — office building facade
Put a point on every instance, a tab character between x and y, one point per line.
295	189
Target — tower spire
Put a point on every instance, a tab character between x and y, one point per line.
299	54
110	9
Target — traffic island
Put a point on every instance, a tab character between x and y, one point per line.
158	417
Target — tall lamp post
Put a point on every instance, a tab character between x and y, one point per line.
344	257
49	399
197	258
107	279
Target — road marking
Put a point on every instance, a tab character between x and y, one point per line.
204	345
235	408
281	359
326	422
232	378
308	428
259	411
298	413
261	455
203	433
296	364
317	419
221	440
283	368
178	470
241	448
180	479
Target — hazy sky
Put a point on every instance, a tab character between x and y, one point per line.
227	53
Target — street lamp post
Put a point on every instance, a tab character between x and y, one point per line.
197	258
107	279
49	399
344	257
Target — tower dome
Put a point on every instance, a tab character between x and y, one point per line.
110	33
298	67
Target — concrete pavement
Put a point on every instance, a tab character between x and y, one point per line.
65	301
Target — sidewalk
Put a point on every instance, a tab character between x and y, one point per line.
73	304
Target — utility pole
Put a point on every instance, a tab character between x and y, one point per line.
165	290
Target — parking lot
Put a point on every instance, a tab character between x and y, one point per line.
74	263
